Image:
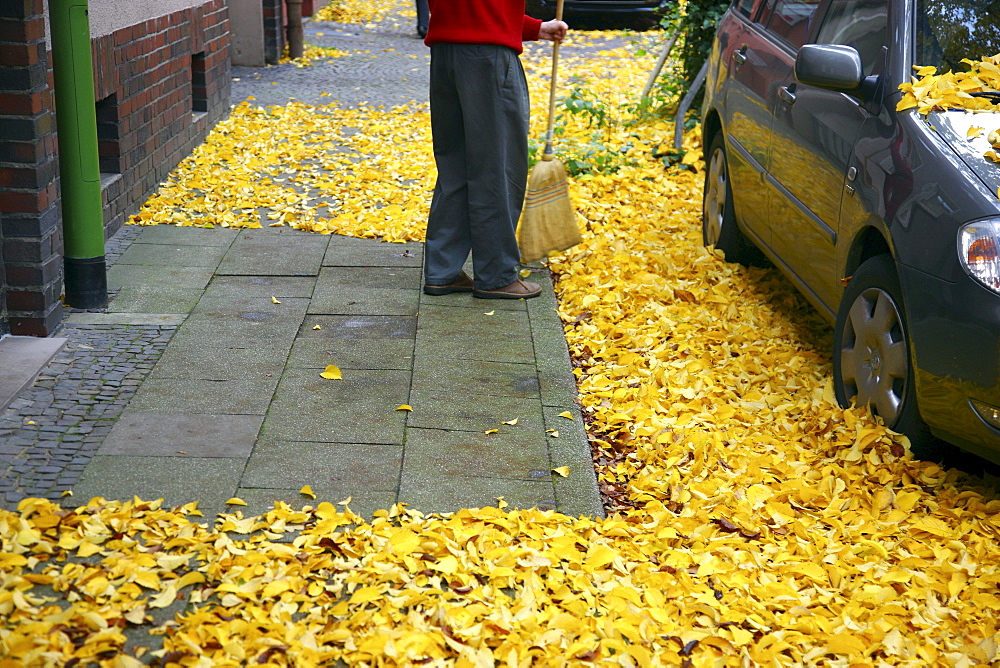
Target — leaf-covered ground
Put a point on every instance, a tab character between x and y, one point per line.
759	523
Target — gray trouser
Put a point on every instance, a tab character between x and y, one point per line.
479	120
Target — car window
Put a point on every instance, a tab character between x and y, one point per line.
950	30
863	24
790	20
745	7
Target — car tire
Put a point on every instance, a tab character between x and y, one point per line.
718	215
872	364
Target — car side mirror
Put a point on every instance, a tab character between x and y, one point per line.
829	66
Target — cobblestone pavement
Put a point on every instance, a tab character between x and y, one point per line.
52	429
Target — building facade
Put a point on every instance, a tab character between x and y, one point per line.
161	82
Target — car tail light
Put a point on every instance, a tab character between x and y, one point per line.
979	251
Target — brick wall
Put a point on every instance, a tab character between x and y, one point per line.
274	30
160	86
30	233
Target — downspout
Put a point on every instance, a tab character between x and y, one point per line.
79	167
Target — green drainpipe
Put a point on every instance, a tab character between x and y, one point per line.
79	167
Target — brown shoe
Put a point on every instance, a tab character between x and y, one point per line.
462	283
517	290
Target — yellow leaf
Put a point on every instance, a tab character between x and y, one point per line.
567	415
489	313
317	327
524	273
164	598
307	491
404	407
501	504
235	501
974	131
491	431
274	300
554	433
332	372
67	492
511	422
562	471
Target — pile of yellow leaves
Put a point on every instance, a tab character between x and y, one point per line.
930	91
771	526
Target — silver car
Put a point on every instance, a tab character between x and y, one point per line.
887	221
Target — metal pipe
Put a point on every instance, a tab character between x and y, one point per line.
294	28
79	166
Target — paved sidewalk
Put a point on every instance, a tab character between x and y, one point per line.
201	380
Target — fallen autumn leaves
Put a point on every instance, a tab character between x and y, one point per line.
769	526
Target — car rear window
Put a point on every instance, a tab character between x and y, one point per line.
949	30
863	24
791	20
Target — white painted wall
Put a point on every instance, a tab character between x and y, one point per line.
106	16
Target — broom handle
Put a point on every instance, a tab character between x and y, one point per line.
548	154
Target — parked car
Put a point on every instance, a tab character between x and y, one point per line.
622	13
887	221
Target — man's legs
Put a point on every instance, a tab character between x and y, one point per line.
479	118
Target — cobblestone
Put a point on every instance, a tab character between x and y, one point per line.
74	402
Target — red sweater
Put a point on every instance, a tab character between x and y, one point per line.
500	22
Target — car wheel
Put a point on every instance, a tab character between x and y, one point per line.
718	218
872	364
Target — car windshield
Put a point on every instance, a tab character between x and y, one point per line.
950	30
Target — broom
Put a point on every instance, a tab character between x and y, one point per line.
548	222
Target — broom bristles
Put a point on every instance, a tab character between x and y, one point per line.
548	222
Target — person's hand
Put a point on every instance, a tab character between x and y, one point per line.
553	30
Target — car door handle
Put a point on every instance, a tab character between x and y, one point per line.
787	94
740	56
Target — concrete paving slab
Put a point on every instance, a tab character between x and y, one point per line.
186	236
21	359
331	469
206	397
362	502
466	377
239	306
472	412
358	327
173	255
521	351
177	480
201	362
254	253
121	275
343	300
514	453
182	435
143	319
247	329
360	279
376	255
361	408
352	354
281	287
486	326
465	300
446	494
154	298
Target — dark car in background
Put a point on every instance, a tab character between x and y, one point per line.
616	13
887	221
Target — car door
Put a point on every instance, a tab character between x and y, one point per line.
812	142
748	54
